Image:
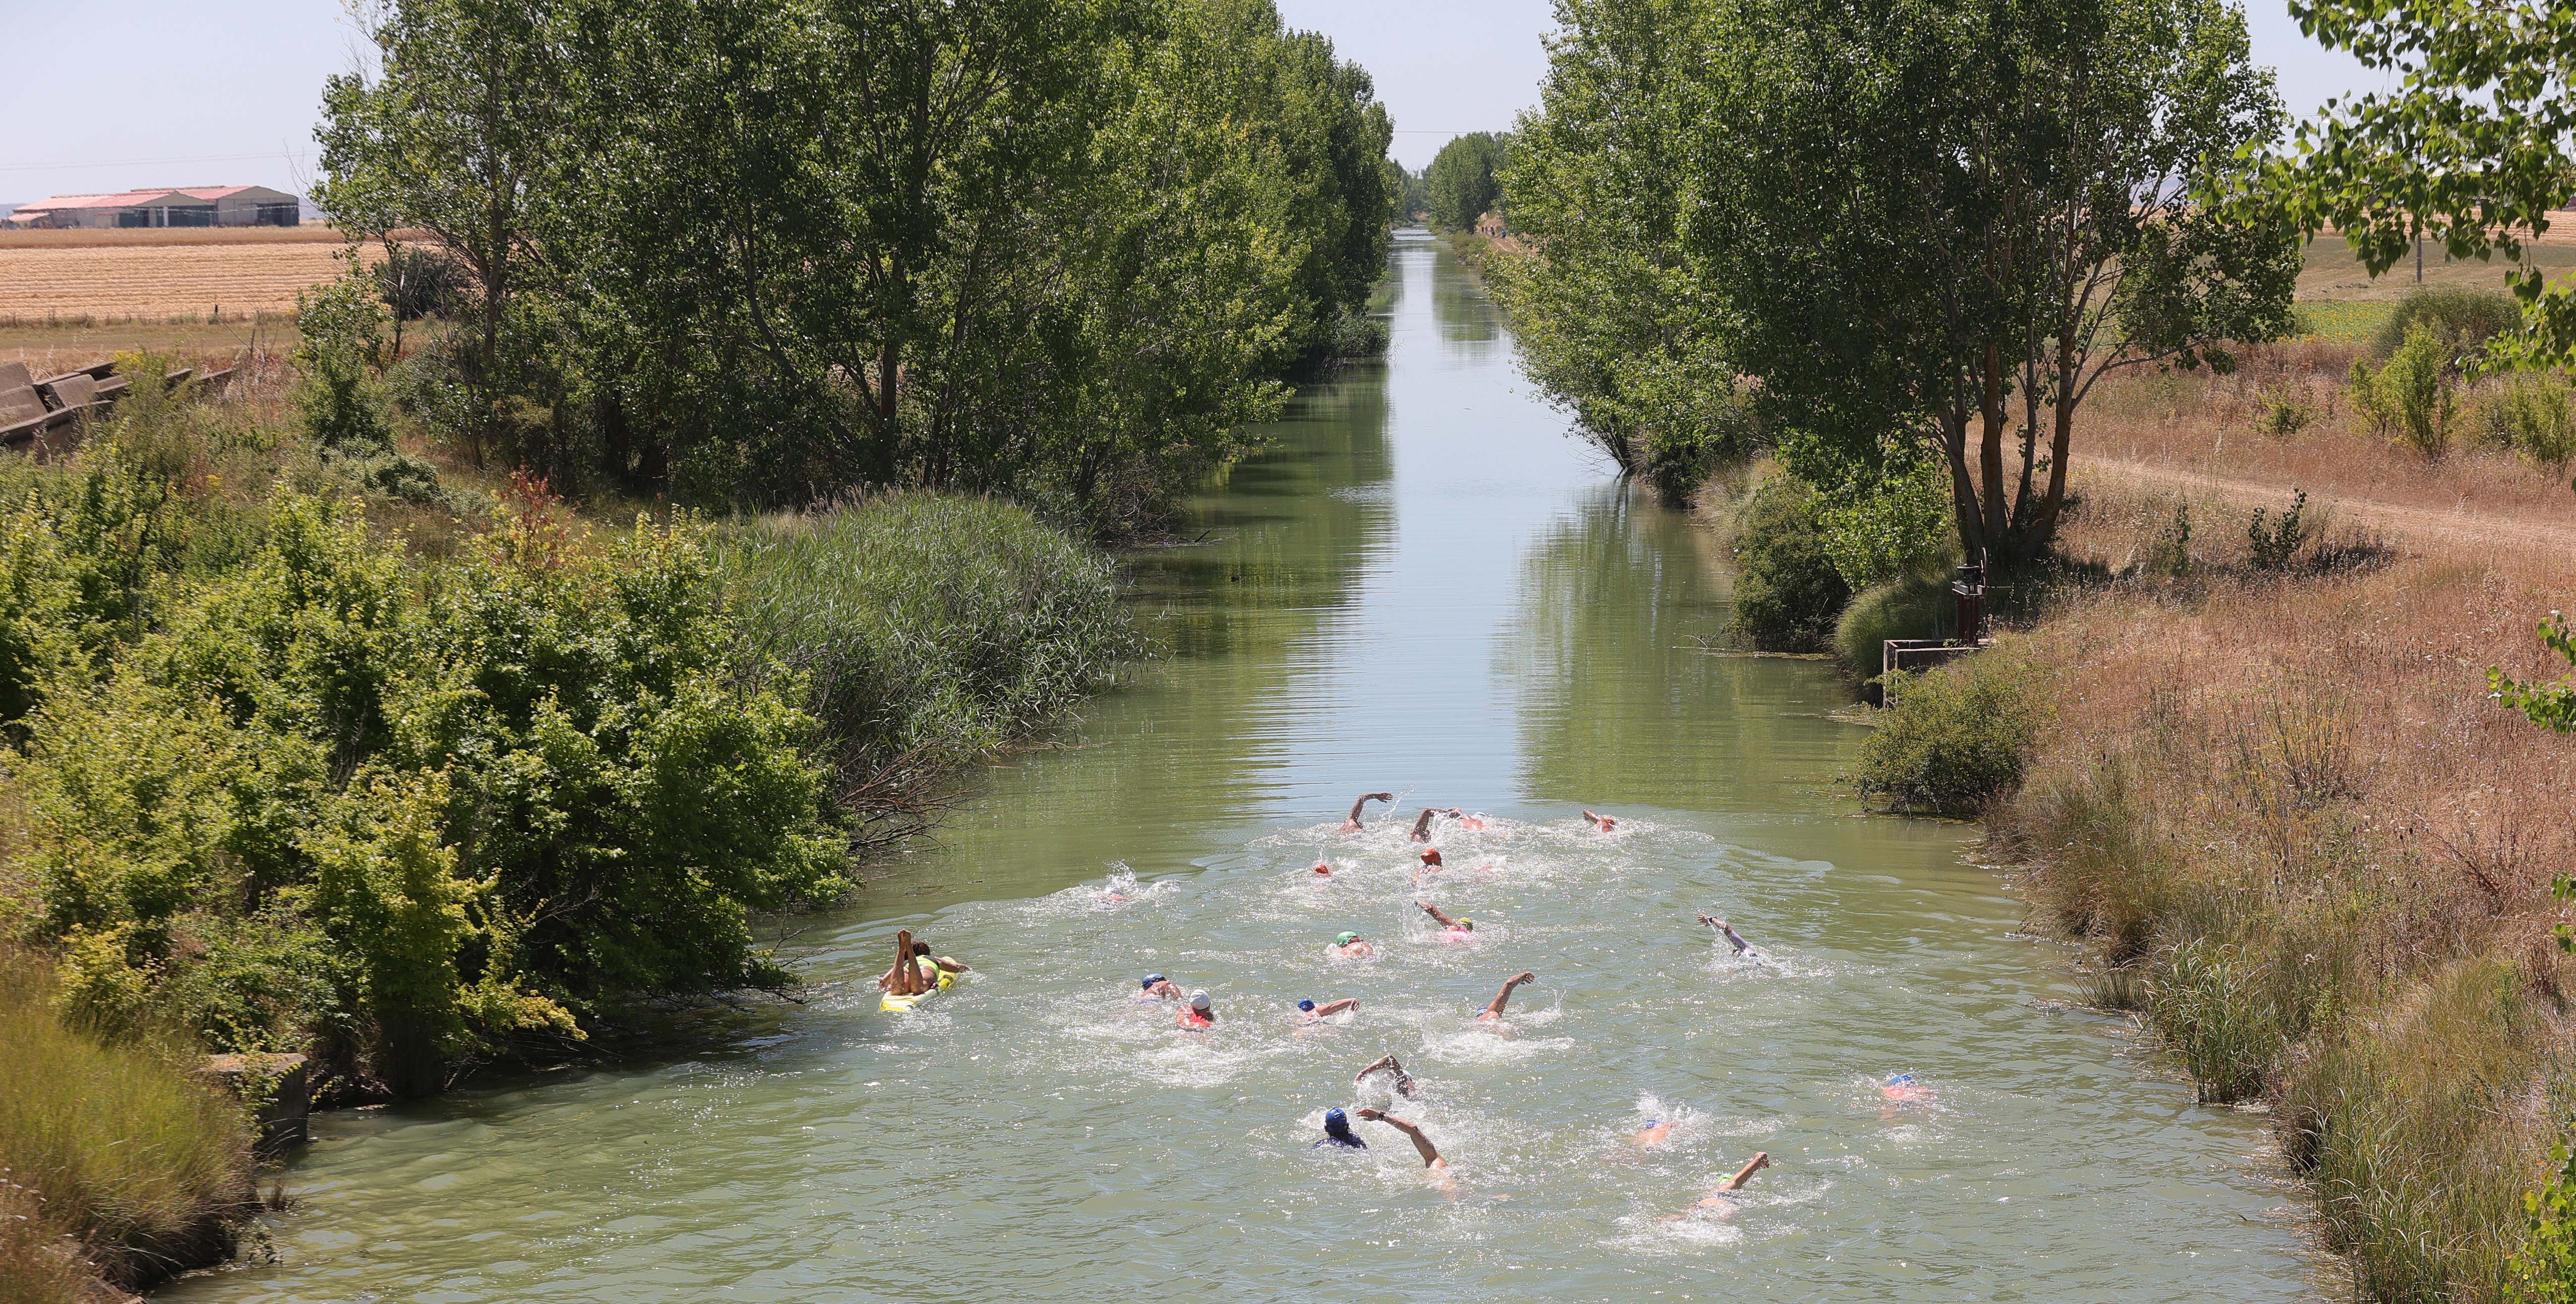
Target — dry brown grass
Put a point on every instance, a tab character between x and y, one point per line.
2315	856
2193	429
128	238
162	280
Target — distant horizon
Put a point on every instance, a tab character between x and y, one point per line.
250	84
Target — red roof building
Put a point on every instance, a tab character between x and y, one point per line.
184	206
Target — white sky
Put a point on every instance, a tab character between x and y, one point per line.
170	93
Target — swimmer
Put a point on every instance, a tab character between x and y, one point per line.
1351	822
1726	1190
1199	1013
1324	867
922	973
1422	823
1337	1132
1422	1144
1350	946
1430	858
1727	930
1654	1132
1903	1089
1494	1013
1460	927
1403	1081
1601	822
1159	988
1315	1013
1471	823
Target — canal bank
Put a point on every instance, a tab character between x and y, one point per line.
1424	587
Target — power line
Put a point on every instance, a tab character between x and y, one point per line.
146	162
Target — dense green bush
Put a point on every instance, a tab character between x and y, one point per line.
1787	592
329	793
1894	526
927	626
2412	398
2460	317
1957	737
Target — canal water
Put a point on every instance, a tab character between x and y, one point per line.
1425	587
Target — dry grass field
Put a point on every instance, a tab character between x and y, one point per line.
155	282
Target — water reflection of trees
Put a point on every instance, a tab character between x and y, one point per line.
1269	555
1619	699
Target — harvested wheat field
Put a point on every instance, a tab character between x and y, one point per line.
157	279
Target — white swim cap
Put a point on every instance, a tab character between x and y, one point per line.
1199	999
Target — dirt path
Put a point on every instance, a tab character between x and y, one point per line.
2430	528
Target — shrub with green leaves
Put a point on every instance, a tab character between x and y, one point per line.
2533	416
1896	526
2543	1271
2460	317
482	796
1957	737
1787	589
2411	399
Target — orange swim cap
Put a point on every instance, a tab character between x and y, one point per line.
1431	855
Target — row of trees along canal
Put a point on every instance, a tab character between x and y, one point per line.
757	253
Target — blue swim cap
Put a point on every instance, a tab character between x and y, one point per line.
1900	1079
1151	979
1335	1121
1307	1005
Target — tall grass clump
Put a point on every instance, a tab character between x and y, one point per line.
111	1146
1911	606
1958	737
928	627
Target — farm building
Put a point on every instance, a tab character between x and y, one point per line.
188	206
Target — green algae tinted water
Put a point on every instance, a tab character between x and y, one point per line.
1425	587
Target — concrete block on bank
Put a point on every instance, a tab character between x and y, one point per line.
1916	654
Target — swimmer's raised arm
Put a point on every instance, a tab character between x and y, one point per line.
1434	911
1422	824
1760	1160
1733	938
1422	1144
1352	820
1503	997
1326	1009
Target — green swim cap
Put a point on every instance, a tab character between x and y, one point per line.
1346	939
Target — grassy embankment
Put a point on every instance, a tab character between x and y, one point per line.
258	692
2272	794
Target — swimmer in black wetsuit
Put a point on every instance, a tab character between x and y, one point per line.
1337	1132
